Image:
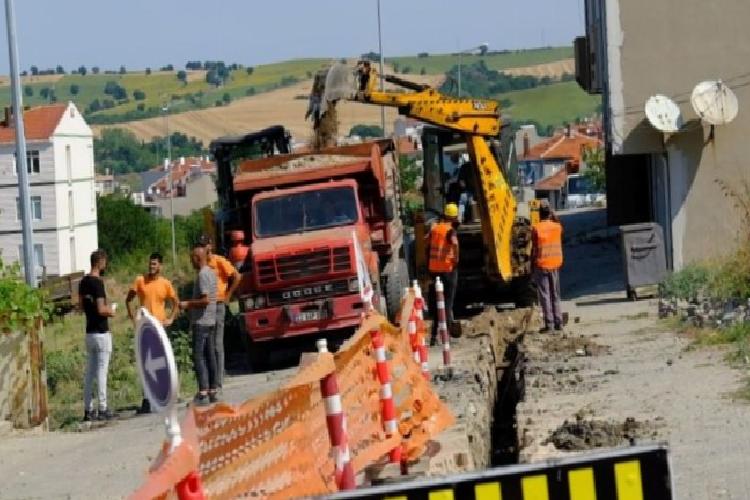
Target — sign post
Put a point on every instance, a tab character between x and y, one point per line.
158	371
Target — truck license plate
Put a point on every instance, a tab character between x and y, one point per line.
308	316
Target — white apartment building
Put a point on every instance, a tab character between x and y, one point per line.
60	163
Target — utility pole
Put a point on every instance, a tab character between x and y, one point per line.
29	265
380	50
171	184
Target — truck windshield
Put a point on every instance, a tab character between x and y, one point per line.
579	185
306	211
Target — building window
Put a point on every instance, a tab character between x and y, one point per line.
38	257
32	162
36	208
71	210
69	163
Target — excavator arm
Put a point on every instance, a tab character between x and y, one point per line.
477	119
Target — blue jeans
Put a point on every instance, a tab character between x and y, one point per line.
98	352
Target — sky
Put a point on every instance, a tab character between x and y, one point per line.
153	33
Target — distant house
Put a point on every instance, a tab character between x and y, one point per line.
192	180
546	165
60	163
105	184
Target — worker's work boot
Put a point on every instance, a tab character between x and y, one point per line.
545	329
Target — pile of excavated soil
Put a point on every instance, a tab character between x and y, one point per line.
579	345
589	434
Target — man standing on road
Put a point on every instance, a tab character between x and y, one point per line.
92	300
442	249
227	279
547	260
153	292
202	310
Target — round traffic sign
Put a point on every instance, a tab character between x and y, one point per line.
155	361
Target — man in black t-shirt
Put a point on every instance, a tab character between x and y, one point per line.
92	300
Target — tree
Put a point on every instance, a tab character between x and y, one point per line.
148	71
226	98
44	92
52	96
82	70
95	106
141	107
28	91
108	103
95	70
250	91
122	70
168	67
395	66
193	65
212	78
249	70
139	95
34	70
59	70
218	104
24	73
406	70
182	76
595	172
423	71
362	130
74	89
423	54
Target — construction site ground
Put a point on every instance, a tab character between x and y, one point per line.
618	375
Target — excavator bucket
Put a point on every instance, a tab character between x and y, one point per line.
329	86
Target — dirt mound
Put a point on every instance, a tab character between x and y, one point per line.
579	345
590	434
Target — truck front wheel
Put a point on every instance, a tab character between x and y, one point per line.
258	356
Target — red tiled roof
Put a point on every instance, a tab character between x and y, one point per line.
554	182
39	123
406	145
563	147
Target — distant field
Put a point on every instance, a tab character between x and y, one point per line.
441	63
161	87
551	104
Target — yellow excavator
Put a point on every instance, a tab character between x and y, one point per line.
495	242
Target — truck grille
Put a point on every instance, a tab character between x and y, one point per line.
311	292
298	266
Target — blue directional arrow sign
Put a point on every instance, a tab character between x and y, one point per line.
155	360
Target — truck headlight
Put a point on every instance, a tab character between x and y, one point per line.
249	304
260	301
253	302
353	285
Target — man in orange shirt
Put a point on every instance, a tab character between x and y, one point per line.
227	281
153	291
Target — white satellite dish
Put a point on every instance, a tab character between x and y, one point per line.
663	113
714	102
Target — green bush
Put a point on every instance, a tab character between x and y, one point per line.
20	305
687	283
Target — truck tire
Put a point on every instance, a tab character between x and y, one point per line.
258	356
396	278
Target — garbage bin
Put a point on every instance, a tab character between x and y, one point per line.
644	259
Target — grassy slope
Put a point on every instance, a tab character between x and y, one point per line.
551	104
441	63
160	86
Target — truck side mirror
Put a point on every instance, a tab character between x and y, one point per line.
389	211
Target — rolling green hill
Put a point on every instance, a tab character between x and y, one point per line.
550	104
163	87
442	63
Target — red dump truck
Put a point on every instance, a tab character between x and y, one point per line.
297	223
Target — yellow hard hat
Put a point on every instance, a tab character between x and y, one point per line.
451	210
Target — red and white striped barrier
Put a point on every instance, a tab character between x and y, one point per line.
336	423
442	322
419	305
387	406
411	329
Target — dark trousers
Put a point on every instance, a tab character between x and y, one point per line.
204	356
548	289
450	281
219	343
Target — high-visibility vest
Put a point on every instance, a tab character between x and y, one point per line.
442	253
549	253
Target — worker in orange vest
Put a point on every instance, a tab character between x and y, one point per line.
547	261
442	248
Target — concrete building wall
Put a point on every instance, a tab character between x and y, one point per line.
667	47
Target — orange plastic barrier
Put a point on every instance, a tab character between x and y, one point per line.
277	445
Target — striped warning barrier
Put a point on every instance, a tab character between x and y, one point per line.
419	307
336	423
636	473
442	323
387	405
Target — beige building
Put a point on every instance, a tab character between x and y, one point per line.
635	49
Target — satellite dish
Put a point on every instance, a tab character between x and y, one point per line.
664	114
714	102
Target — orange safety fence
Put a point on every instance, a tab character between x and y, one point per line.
277	445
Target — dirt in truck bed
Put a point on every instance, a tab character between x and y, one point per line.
316	161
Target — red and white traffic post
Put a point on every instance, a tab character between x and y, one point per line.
419	305
442	323
336	423
387	406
